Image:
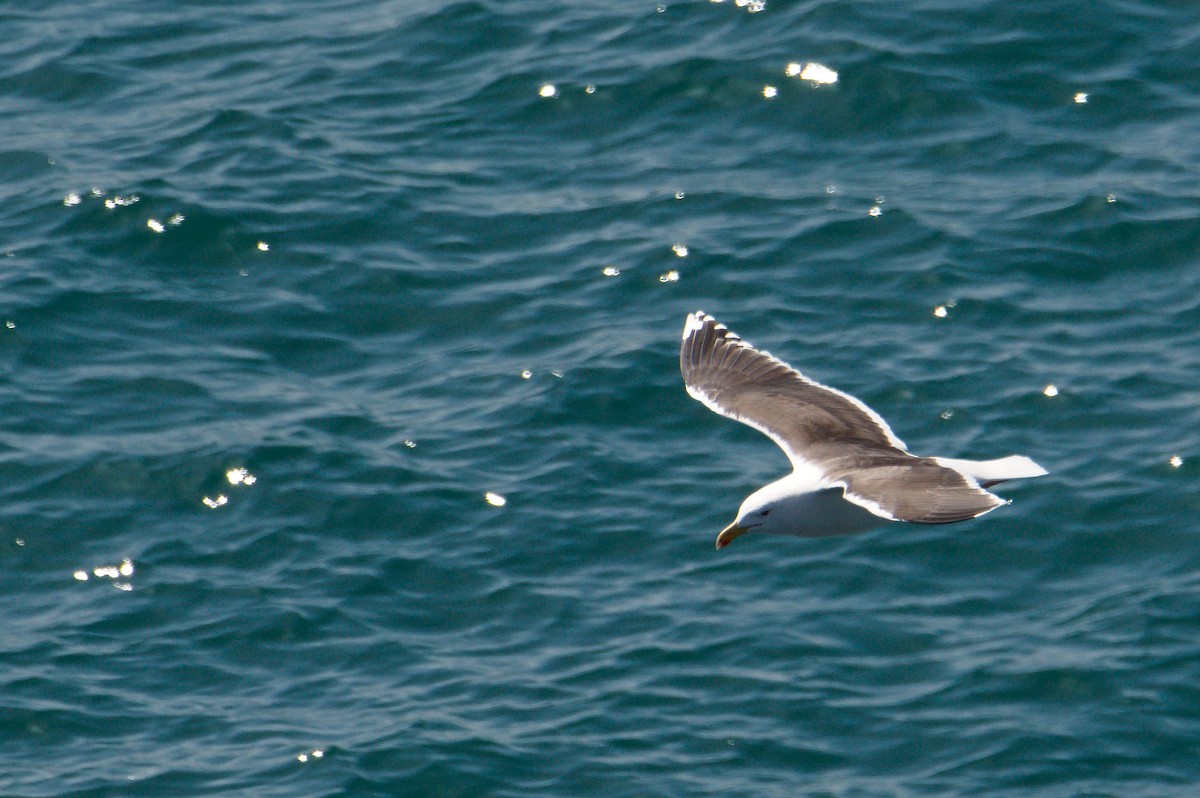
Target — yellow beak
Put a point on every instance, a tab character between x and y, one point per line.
729	533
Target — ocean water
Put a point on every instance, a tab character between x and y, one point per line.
344	450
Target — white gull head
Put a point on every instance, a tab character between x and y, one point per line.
796	507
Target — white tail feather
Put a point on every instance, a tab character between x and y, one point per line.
989	472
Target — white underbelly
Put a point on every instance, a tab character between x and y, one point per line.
827	514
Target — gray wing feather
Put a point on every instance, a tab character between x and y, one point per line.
902	487
737	380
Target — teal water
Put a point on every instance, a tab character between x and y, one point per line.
350	248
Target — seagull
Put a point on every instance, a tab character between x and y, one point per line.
850	472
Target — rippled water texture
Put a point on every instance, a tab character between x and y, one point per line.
344	451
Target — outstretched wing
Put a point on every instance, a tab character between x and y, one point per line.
738	381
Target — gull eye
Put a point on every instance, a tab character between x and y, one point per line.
765	513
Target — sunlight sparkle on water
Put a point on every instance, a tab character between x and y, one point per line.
680	249
72	199
769	92
941	311
120	202
611	271
1081	97
113	572
495	499
213	504
751	6
1176	461
240	476
817	74
548	90
155	225
1050	390
670	277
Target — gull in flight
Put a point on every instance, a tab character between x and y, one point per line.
850	472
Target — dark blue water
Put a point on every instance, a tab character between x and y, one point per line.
344	451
